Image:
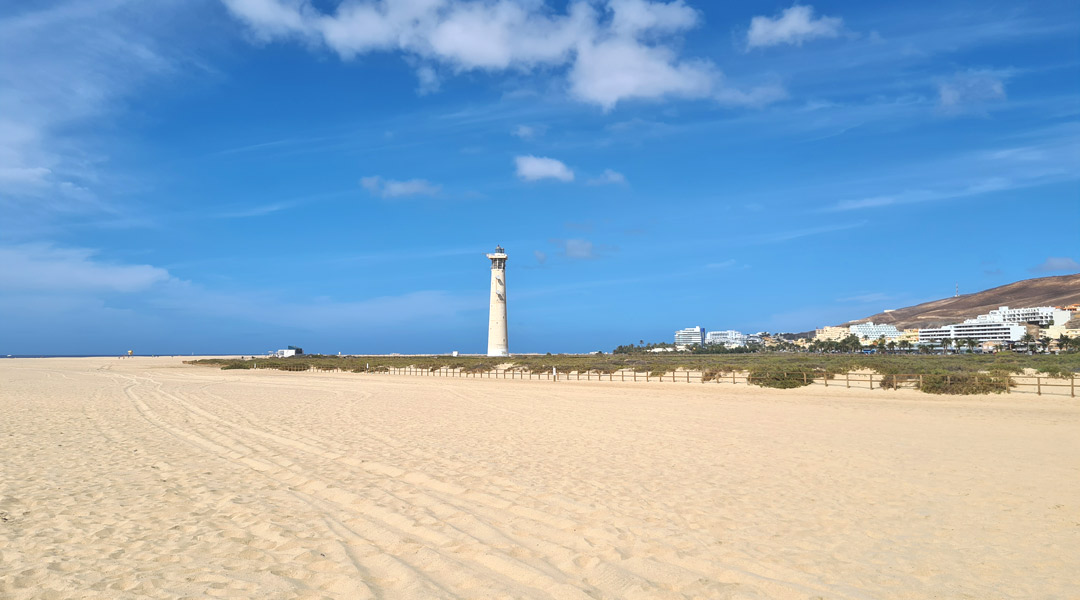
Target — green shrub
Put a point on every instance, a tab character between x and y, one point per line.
781	380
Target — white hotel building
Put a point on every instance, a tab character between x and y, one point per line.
690	336
1001	325
729	338
873	332
1045	316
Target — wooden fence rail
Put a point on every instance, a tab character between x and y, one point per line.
1009	383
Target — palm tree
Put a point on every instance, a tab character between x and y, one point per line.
1028	341
945	343
904	345
972	343
1044	341
1064	343
891	345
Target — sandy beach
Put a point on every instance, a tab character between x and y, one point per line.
148	478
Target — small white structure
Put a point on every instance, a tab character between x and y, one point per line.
285	353
498	342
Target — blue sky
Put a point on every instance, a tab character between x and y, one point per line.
237	176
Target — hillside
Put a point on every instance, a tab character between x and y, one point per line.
1043	291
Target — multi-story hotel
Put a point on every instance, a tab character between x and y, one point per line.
834	334
871	331
983	331
728	338
1043	315
690	336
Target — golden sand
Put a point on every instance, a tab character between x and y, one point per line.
147	478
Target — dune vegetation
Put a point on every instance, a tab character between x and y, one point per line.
958	373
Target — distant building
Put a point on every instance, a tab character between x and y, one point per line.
1044	316
871	331
690	336
729	338
834	334
983	331
909	335
290	351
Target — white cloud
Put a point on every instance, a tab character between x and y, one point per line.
794	25
621	68
971	90
615	51
429	81
533	168
1057	264
576	248
389	188
42	267
525	132
609	177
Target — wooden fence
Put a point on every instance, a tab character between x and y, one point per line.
1037	384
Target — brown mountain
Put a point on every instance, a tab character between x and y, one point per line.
1044	291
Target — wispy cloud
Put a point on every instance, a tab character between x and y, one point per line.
867	298
1056	264
581	249
775	237
47	268
389	188
792	26
971	90
724	264
527	132
534	168
1040	158
609	177
66	67
47	284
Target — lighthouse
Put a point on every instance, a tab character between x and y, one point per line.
497	339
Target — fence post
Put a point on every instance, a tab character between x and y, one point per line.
733	377
1038	385
847	378
688	377
871	381
1072	386
804	378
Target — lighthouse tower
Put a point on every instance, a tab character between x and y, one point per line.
497	341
